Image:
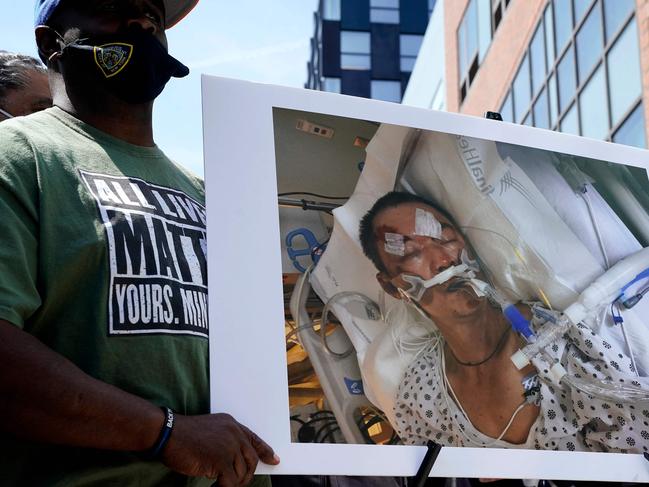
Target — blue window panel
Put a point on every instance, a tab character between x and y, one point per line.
624	73
355	14
386	90
632	131
537	59
581	6
549	36
461	50
590	43
331	49
554	107
385	51
484	28
593	107
567	79
471	19
356	83
541	118
414	16
615	13
562	23
522	94
507	110
570	122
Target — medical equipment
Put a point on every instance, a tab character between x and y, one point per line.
534	234
610	287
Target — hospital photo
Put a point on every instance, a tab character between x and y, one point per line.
461	290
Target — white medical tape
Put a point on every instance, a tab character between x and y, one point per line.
470	263
394	244
426	224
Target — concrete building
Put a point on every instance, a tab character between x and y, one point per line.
578	66
366	48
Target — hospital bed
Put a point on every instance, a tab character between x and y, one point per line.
537	220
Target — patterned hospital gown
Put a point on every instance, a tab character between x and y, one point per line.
568	419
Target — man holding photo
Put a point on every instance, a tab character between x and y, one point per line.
103	330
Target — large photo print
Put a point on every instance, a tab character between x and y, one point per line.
384	276
451	300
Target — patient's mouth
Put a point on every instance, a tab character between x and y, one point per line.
456	285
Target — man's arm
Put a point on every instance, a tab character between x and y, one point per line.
61	404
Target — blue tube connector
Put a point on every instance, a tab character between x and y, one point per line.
519	322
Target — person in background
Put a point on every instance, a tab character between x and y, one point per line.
24	88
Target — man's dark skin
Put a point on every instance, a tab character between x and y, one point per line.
60	403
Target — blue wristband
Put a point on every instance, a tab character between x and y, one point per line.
154	452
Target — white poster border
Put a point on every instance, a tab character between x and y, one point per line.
247	343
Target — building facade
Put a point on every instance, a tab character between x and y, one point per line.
577	66
366	48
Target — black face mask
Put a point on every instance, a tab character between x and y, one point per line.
133	65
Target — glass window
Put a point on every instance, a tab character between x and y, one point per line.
484	27
354	42
528	120
384	3
537	59
592	105
589	43
563	22
522	93
624	72
354	50
507	110
355	61
332	85
461	49
407	64
331	9
384	16
632	131
581	6
409	45
554	107
471	18
541	118
549	36
567	81
570	121
615	13
386	90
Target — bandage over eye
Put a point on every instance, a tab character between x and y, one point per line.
395	244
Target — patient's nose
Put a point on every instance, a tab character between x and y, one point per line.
439	259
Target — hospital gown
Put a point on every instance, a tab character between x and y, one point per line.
568	419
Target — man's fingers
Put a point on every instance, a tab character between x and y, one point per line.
250	456
228	478
240	468
265	452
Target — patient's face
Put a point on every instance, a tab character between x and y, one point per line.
415	239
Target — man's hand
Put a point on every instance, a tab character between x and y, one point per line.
218	447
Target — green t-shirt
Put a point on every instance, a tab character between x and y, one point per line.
103	260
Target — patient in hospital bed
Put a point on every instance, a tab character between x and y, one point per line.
462	389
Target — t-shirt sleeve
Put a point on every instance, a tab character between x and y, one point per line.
19	296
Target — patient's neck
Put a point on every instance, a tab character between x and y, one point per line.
471	340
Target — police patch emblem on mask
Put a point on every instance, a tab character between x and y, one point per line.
112	58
